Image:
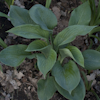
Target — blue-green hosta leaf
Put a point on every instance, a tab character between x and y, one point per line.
46	88
39	45
43	16
68	76
77	94
81	15
70	33
31	56
46	64
91	59
20	16
36	45
13	55
74	53
30	31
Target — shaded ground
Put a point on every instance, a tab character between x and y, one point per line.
20	84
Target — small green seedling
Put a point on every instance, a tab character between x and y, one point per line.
2	43
95	12
95	20
88	85
9	3
38	23
48	2
95	15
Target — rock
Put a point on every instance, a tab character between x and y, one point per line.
91	77
19	75
56	11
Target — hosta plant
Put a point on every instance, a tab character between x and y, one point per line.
38	23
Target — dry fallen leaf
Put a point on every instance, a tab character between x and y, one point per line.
7	97
18	83
93	83
10	88
91	77
33	81
19	75
14	84
19	3
2	76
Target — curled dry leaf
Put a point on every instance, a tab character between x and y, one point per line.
14	84
8	77
7	97
10	88
20	3
91	77
93	83
8	80
18	83
33	81
19	75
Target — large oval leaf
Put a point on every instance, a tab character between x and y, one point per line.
20	16
30	31
39	45
43	16
74	53
81	15
36	45
70	33
13	55
46	88
46	64
77	94
91	59
68	76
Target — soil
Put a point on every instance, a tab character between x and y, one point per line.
4	23
25	87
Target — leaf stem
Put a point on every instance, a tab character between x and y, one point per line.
48	2
95	94
2	43
1	68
